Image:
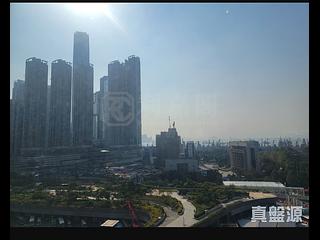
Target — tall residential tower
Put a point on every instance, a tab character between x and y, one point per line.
35	114
17	108
82	91
60	104
124	84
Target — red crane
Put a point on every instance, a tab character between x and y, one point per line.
133	215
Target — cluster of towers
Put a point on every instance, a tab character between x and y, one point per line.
63	114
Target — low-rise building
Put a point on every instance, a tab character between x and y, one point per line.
274	187
76	161
182	165
167	146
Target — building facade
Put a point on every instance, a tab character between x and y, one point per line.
182	165
82	91
190	150
11	131
148	155
167	146
243	155
60	104
96	106
48	115
104	84
124	94
16	117
35	107
101	109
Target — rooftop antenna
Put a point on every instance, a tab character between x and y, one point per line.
169	122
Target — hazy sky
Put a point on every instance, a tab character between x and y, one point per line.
219	70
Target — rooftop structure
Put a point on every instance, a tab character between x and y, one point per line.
253	184
274	187
249	223
111	223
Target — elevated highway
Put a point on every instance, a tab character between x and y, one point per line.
107	213
228	210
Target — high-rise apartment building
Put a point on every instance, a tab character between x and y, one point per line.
243	155
82	91
11	129
17	110
60	104
48	115
104	84
124	82
190	150
102	109
35	113
96	106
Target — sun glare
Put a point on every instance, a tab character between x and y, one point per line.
90	9
94	10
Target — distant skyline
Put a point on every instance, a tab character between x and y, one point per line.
218	70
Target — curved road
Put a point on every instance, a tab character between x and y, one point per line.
175	220
170	216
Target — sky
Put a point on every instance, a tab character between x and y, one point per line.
218	70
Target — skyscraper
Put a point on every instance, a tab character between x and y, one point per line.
34	127
190	150
104	84
11	129
124	79
17	109
48	115
82	91
60	104
101	128
132	67
96	106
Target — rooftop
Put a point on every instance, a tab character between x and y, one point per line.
253	184
109	223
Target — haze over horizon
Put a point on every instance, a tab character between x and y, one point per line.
218	70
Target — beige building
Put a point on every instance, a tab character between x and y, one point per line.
243	155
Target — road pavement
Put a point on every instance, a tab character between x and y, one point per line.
170	216
185	220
